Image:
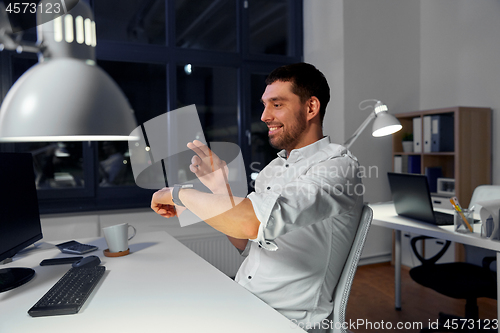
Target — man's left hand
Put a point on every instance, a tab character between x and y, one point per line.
163	205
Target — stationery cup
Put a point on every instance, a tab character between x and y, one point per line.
117	237
458	220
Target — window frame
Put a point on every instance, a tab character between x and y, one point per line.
92	197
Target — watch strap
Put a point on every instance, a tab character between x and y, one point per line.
175	193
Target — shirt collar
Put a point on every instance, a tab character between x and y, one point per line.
305	152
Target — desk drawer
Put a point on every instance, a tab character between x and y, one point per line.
440	202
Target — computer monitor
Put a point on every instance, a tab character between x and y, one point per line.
19	215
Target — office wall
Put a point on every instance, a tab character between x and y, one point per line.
368	49
324	48
460	59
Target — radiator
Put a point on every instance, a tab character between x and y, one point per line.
217	250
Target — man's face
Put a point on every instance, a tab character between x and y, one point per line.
284	115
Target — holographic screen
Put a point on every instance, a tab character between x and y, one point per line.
161	158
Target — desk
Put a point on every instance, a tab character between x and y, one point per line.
385	215
162	286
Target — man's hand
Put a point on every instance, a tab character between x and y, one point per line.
163	205
209	168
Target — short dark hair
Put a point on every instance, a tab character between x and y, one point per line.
307	81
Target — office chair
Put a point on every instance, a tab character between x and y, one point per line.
343	288
460	280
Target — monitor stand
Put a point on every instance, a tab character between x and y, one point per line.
14	277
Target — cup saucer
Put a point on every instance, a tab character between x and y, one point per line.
107	253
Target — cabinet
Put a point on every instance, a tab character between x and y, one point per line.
470	161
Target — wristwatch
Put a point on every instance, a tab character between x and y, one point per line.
175	193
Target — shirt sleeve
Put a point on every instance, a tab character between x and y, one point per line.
328	189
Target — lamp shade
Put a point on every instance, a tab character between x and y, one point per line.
65	99
385	124
66	96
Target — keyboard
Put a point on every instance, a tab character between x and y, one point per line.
69	294
446	219
443	218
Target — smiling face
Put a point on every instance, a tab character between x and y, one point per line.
284	115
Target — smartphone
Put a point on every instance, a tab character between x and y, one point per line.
74	247
59	261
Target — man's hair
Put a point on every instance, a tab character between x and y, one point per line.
307	81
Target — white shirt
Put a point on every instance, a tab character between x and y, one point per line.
309	207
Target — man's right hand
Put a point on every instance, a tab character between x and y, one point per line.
209	168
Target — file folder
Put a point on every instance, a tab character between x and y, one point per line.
417	135
442	133
414	164
398	163
433	173
427	134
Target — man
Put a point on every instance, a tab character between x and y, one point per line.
305	210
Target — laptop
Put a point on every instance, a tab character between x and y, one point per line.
412	198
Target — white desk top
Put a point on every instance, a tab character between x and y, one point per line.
162	286
384	215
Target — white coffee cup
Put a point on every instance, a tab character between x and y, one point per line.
117	237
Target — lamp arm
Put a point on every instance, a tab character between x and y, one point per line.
8	43
360	129
7	39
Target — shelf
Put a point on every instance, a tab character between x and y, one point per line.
403	153
444	153
451	153
470	162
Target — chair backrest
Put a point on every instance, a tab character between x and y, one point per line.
484	193
343	288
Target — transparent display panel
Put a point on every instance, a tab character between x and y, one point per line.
206	24
270	23
134	21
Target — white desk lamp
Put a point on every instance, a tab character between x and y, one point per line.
66	96
384	124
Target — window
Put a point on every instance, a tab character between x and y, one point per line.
135	21
261	152
210	25
270	27
164	55
214	92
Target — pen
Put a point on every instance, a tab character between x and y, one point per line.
456	205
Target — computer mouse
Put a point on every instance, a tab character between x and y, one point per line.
89	261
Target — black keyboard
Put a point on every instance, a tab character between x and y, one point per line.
69	294
446	219
443	218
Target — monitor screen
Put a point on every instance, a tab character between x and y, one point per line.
19	216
